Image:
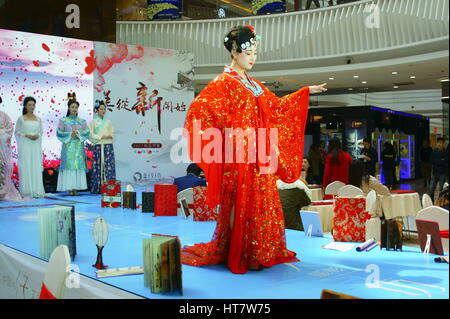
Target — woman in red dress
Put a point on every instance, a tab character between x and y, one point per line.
250	231
336	164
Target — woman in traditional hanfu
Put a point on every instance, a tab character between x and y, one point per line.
8	191
104	163
72	132
29	134
250	232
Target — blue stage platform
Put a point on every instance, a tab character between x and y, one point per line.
402	275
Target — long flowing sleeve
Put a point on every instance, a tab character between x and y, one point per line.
63	132
83	132
6	128
206	112
19	133
94	138
289	115
41	128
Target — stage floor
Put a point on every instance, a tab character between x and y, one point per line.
408	274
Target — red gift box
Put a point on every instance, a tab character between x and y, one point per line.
202	212
166	200
349	220
324	203
111	194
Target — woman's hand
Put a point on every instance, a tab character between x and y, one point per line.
318	88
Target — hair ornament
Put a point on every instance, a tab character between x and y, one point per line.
71	96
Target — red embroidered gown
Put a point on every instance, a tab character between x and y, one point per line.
250	227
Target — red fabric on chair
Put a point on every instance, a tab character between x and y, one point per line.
45	293
328	197
402	191
444	233
202	212
349	219
321	203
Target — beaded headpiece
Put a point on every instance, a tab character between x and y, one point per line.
241	38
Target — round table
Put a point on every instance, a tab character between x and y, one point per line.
316	192
401	205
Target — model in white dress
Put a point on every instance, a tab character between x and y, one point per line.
30	157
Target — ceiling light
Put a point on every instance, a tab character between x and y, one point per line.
356	76
364	82
395	86
394	73
412	77
331	79
445	80
350	89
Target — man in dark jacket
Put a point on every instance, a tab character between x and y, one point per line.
191	180
370	157
438	160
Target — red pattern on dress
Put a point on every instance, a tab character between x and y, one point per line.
250	228
202	212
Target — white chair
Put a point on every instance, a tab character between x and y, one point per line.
57	271
371	200
333	188
188	194
426	201
439	215
350	191
373	225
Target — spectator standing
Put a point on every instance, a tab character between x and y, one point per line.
438	160
388	158
370	157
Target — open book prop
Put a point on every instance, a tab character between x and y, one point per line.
391	234
100	233
162	264
148	202
129	200
56	228
429	237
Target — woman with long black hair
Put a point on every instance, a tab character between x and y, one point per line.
29	140
72	132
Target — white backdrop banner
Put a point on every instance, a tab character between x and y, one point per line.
147	92
21	277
